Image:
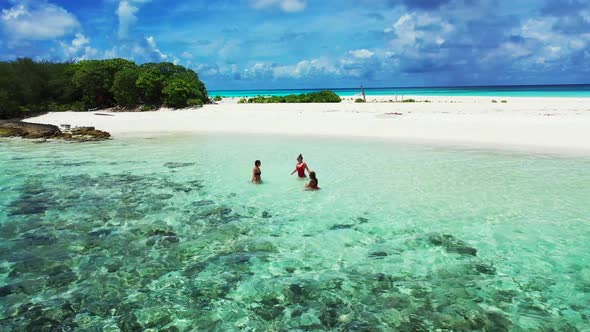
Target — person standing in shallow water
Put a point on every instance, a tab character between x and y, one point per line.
313	182
256	172
300	167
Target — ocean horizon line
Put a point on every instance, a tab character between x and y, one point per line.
415	87
545	90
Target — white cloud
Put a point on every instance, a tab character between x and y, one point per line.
411	29
127	18
207	70
79	48
306	68
14	13
231	50
89	53
80	40
42	22
109	54
514	50
540	29
269	71
549	44
187	55
362	53
289	6
154	48
126	13
77	43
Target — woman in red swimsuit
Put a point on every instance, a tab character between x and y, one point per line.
300	167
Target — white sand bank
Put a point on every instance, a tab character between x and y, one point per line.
539	124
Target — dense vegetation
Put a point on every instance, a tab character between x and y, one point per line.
28	87
324	96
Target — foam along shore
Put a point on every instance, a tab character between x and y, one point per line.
532	124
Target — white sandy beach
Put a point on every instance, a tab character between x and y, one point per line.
531	124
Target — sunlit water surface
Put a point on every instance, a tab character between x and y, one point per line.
168	233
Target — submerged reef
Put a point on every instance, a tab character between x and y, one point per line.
134	252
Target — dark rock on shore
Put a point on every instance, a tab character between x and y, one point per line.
14	128
86	134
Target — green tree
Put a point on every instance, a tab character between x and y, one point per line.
59	83
28	88
154	79
177	92
150	83
95	79
124	87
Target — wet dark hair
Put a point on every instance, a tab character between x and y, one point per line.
257	162
314	179
300	156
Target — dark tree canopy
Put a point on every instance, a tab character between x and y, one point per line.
28	87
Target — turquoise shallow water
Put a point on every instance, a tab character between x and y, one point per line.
168	233
571	91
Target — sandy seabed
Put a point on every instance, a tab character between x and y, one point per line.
553	125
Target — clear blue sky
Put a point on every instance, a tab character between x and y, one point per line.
241	44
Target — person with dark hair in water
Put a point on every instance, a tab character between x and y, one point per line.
300	167
313	182
256	172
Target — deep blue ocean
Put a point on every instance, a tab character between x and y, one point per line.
574	90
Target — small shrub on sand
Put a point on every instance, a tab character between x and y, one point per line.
194	102
494	101
503	101
217	98
145	108
324	96
359	100
409	101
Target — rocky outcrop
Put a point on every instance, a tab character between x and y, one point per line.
14	128
86	133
